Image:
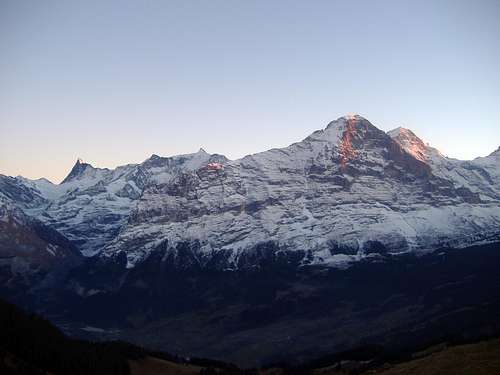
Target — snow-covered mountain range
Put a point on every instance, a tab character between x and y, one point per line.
344	193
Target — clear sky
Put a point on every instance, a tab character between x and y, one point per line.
113	82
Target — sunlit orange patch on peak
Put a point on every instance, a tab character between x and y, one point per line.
347	151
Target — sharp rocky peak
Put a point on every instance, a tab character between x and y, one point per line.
78	169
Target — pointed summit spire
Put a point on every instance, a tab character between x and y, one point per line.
77	170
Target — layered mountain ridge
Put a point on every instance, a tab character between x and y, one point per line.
344	193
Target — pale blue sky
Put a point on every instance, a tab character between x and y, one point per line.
116	81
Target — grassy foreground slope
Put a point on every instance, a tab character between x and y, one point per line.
482	358
154	366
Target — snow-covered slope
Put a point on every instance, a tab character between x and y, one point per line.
91	205
491	165
345	192
479	176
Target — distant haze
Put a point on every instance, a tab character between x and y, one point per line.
114	82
